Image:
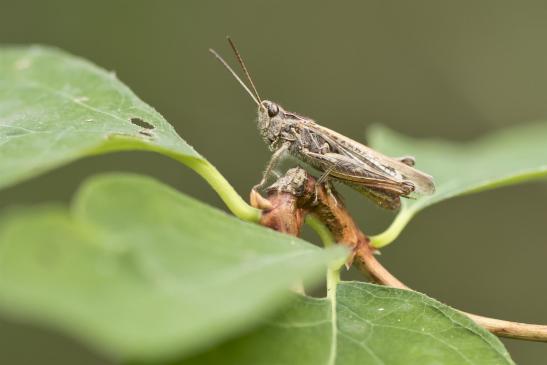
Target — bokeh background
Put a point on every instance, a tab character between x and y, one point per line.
455	70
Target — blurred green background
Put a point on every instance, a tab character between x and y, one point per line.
454	70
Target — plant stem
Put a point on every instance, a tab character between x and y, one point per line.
333	278
235	203
395	228
227	193
321	230
523	331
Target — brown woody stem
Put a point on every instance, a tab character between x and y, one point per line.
296	195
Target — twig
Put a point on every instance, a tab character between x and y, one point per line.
296	195
499	327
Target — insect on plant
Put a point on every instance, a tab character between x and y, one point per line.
381	178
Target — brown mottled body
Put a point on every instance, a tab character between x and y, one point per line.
383	179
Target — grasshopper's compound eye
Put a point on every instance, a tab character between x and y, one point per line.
272	108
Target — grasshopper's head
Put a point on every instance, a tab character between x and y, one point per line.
270	120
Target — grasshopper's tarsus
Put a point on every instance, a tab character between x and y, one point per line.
316	198
329	188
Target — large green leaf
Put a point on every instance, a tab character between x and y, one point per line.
507	157
371	325
56	108
143	272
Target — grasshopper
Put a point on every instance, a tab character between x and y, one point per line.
381	178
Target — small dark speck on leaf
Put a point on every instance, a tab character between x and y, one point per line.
145	133
141	123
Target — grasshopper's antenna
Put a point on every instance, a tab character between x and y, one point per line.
225	64
245	71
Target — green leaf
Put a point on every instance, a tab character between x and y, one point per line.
143	272
373	325
56	108
507	157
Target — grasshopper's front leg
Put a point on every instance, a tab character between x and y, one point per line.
276	157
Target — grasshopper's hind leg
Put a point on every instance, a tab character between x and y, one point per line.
383	198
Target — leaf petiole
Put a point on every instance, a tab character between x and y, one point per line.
394	230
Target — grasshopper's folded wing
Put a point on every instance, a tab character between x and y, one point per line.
384	167
358	174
